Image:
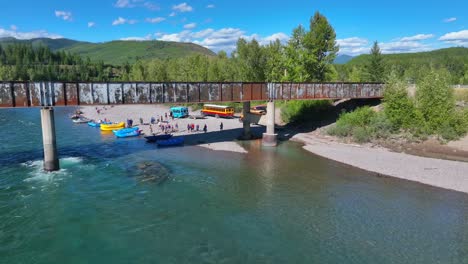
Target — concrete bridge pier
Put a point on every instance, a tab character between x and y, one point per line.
246	134
269	138
51	161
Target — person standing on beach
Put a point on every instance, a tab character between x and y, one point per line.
205	129
198	127
221	126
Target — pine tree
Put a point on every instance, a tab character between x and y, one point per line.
375	68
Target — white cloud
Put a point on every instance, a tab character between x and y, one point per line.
170	37
216	40
210	6
151	6
136	3
458	38
417	37
184	7
403	47
91	24
353	46
352	42
190	26
283	38
124	4
28	35
155	20
451	19
13	27
356	45
121	21
65	15
148	37
173	14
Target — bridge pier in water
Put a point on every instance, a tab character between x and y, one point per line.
51	161
246	134
269	138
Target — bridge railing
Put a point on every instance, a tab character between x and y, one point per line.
31	94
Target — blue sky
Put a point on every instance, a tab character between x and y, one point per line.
399	26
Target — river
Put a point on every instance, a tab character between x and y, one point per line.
273	205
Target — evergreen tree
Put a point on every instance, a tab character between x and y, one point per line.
375	69
320	41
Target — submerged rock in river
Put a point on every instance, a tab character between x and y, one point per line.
151	171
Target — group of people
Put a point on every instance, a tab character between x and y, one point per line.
162	122
196	128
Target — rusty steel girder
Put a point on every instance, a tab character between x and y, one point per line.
31	94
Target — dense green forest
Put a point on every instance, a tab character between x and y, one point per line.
22	62
308	56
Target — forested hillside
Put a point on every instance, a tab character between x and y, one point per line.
413	66
116	52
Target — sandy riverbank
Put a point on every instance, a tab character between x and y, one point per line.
223	141
445	174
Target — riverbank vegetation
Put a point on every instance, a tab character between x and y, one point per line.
432	111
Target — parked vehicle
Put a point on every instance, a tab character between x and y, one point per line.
256	110
179	111
259	109
218	110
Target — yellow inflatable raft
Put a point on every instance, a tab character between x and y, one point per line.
110	127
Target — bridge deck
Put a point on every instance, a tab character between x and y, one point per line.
34	94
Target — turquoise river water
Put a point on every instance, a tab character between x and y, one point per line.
276	205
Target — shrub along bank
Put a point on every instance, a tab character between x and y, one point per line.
431	112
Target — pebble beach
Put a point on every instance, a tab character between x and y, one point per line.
223	141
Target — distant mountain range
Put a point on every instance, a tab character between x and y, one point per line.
117	52
342	59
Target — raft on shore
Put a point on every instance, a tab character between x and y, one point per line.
110	127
